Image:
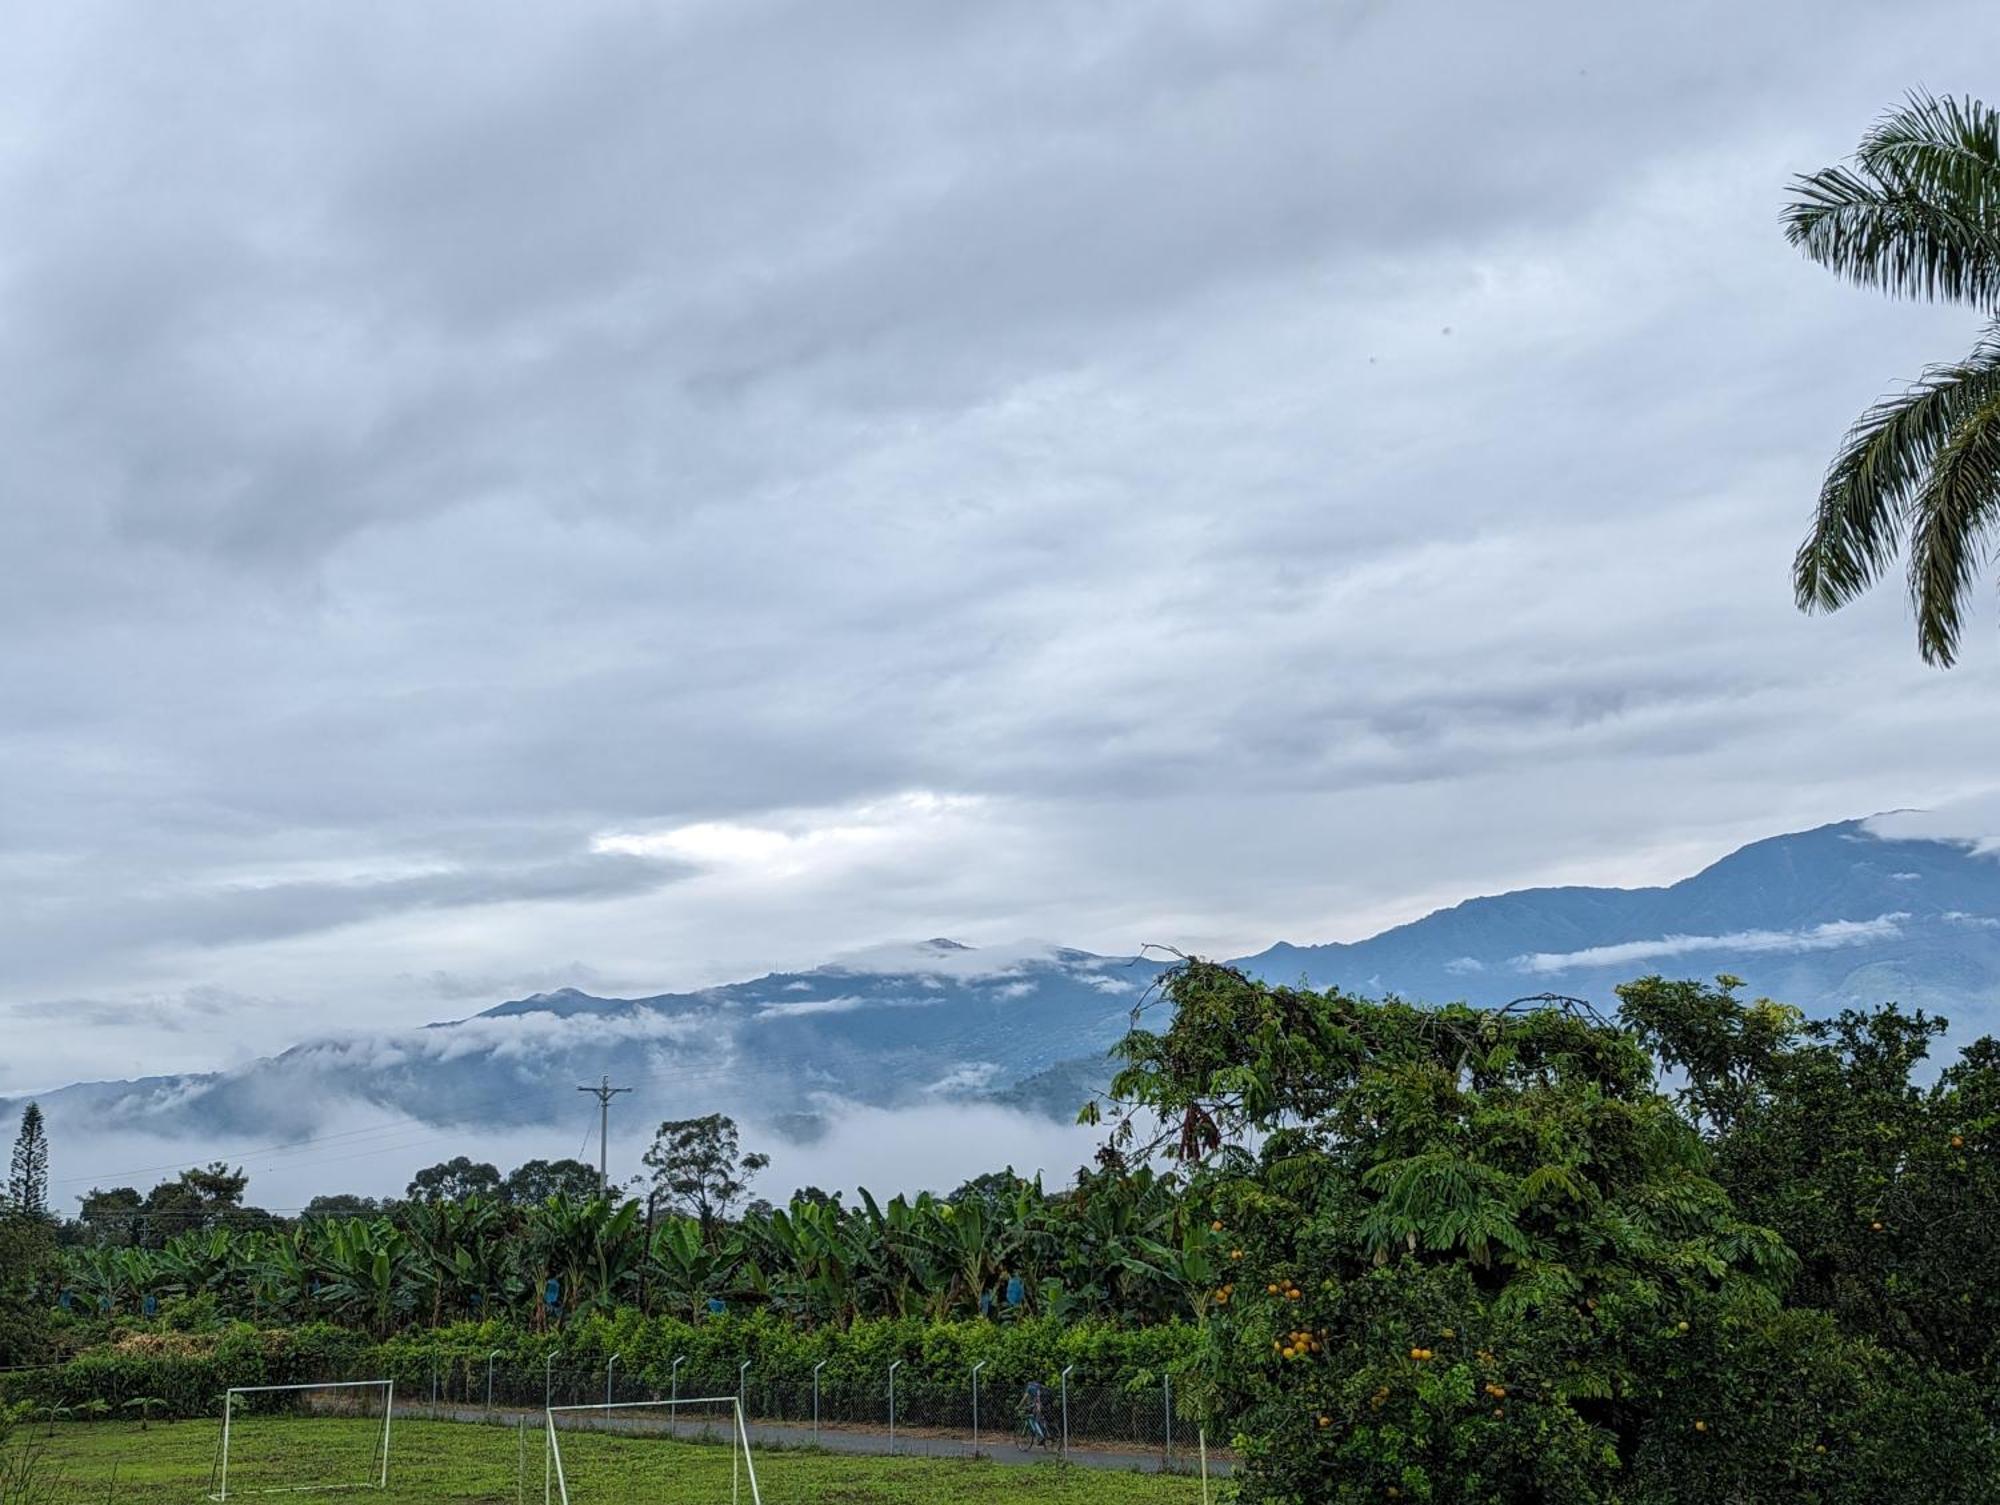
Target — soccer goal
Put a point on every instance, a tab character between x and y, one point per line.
264	1450
588	1449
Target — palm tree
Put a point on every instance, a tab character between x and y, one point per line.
1917	214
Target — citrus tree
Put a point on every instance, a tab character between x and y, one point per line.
1472	1256
1884	1179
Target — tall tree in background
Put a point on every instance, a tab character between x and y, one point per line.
454	1180
28	1177
535	1181
208	1197
1917	214
698	1169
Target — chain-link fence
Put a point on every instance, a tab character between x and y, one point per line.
900	1410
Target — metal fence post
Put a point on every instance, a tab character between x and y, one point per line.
1065	1408
549	1378
743	1387
609	1364
676	1377
489	1377
1167	1390
434	1387
975	1406
893	1367
816	1369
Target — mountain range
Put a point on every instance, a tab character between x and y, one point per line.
1848	914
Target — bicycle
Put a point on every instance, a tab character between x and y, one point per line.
1031	1432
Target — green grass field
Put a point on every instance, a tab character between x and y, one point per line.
104	1462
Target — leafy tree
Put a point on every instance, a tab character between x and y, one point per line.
114	1216
993	1189
1917	214
538	1180
698	1168
1476	1256
342	1204
29	1273
454	1180
28	1177
206	1197
1888	1187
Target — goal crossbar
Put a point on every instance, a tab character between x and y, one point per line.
555	1485
380	1462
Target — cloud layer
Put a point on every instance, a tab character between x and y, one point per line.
1829	936
694	491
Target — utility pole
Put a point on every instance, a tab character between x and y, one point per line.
603	1092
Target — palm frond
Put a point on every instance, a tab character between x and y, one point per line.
1870	492
1918	214
1955	513
1945	148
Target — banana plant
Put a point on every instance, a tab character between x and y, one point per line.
367	1272
685	1270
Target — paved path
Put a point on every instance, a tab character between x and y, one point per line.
923	1443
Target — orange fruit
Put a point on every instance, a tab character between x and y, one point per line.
1701	1426
1680	1327
1958	1141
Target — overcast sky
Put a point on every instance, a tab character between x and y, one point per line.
501	495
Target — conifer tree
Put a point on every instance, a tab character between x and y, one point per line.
28	1177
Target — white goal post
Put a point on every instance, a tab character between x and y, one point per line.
378	1463
555	1484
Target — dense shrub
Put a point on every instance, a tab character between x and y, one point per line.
186	1373
1480	1258
190	1372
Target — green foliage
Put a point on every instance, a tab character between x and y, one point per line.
28	1174
1443	1254
538	1180
1787	1408
454	1180
1477	1256
700	1170
1888	1188
179	1377
28	1273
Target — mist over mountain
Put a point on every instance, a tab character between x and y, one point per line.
1854	913
907	1026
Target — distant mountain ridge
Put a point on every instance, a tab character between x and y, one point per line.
925	1023
1849	914
1840	915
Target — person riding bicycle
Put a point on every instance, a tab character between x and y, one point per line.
1032	1400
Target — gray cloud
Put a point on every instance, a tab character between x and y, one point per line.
954	463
